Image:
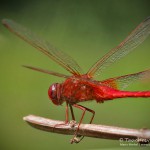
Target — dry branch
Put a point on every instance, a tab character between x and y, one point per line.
89	130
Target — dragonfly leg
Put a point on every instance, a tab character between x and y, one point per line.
78	138
67	114
66	118
72	113
73	121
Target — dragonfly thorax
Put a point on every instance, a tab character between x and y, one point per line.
54	93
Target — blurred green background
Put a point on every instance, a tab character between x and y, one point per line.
86	30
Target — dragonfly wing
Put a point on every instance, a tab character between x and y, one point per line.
123	81
47	71
58	56
136	37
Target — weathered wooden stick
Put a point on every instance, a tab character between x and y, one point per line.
89	130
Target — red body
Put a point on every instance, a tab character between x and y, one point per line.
79	89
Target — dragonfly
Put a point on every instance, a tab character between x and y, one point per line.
80	87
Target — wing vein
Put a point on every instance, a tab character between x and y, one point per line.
135	38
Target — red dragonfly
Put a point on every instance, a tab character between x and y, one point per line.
79	87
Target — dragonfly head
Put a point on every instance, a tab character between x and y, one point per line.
54	93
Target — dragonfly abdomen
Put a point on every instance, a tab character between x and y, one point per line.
121	94
104	93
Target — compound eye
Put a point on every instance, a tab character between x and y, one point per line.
52	92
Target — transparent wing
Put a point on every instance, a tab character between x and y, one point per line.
137	36
124	81
58	56
47	71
